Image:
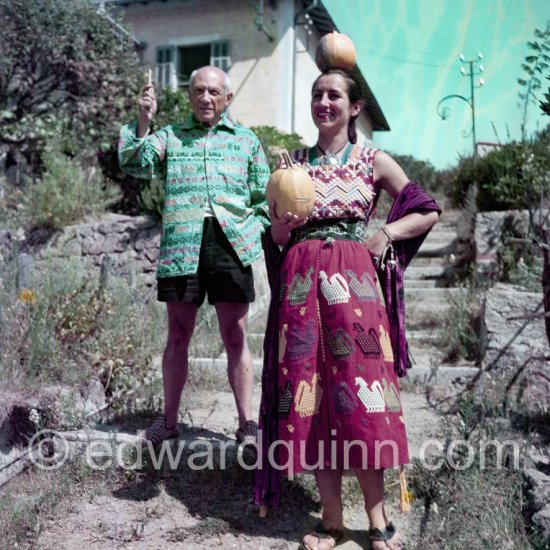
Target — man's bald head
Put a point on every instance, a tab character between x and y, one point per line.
215	71
209	93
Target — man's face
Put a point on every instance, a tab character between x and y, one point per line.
208	96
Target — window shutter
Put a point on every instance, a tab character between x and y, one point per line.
166	67
220	54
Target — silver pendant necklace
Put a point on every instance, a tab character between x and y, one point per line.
331	159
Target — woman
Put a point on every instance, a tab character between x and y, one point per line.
330	398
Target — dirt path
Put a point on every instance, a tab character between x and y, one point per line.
213	508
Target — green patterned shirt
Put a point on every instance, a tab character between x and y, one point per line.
225	163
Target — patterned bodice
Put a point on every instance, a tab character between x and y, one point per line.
344	191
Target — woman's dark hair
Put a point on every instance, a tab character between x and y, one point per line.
354	94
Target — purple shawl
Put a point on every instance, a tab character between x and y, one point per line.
411	199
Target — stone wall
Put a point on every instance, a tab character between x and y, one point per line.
489	227
131	244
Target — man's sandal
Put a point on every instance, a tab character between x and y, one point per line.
321	532
248	434
376	535
158	432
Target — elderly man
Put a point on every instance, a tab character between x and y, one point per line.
214	173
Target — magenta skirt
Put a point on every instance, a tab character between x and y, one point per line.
339	404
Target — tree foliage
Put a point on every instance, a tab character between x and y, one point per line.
421	171
67	75
545	104
535	66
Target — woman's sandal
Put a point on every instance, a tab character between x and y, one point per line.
376	535
321	532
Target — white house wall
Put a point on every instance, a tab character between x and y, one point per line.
306	73
261	70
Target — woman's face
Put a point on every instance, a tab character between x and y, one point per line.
331	109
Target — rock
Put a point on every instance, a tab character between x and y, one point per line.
541	522
540	459
6	243
94	396
513	349
538	488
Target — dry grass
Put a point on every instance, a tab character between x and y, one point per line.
29	501
66	328
472	507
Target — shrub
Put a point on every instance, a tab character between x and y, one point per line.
151	198
274	141
520	262
173	107
458	337
68	192
67	328
508	178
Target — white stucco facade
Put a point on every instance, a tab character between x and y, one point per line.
271	79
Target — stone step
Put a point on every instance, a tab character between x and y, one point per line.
425	351
443	243
424	283
422	336
425	261
435	295
424	315
433	270
446	235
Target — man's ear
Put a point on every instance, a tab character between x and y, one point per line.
229	97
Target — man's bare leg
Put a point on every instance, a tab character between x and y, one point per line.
232	322
175	362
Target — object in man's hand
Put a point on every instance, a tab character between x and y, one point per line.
292	189
149	77
335	51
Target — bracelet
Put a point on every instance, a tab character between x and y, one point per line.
388	234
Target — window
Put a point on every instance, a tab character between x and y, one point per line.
175	64
191	58
165	69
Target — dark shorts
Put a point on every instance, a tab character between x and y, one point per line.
221	274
